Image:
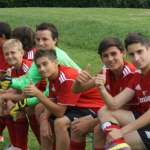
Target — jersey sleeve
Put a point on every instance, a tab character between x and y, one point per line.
23	81
133	81
66	96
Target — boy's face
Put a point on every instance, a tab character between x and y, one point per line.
13	56
112	58
47	67
139	55
44	40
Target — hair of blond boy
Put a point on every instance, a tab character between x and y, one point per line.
13	43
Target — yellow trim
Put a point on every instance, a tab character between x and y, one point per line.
119	146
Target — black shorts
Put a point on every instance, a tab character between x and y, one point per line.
75	112
144	132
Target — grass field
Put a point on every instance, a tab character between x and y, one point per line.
81	29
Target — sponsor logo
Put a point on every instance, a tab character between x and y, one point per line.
147	134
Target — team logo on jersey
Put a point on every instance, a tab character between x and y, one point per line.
138	87
147	134
108	87
53	89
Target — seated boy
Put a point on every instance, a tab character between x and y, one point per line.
14	53
63	105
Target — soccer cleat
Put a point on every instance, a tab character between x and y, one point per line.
118	144
11	147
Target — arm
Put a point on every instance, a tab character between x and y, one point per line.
12	96
138	123
83	82
23	81
113	102
56	109
117	101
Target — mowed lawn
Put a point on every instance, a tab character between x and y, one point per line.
81	30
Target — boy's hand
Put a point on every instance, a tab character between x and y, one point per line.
18	107
30	90
5	82
100	79
83	125
84	75
114	134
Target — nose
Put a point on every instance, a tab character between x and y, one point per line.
41	69
39	42
110	57
136	57
9	56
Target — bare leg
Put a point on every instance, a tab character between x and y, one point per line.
61	126
81	127
99	138
47	139
133	139
123	117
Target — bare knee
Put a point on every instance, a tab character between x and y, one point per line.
103	114
60	125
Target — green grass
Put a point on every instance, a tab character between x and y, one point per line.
81	29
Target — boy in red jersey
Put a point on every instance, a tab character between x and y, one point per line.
118	72
63	104
13	52
5	33
27	37
135	124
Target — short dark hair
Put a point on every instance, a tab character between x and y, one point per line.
109	42
26	35
51	54
48	26
136	37
5	30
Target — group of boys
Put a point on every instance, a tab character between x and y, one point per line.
114	104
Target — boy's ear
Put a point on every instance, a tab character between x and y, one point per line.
124	52
55	40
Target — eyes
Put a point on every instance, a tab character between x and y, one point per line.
138	52
9	53
43	39
112	54
44	64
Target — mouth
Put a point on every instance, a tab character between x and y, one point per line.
43	74
112	65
